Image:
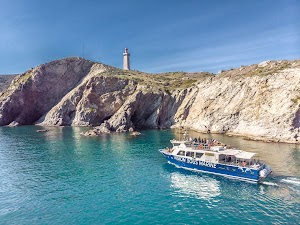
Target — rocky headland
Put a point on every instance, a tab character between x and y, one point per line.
260	101
5	81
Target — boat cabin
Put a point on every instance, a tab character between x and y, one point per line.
214	154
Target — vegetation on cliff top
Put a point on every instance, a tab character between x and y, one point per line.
180	80
261	69
161	81
5	81
170	81
22	78
14	83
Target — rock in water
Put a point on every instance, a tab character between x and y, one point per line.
135	133
39	131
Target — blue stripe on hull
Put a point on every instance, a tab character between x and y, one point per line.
219	169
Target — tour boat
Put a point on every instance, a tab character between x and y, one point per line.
210	157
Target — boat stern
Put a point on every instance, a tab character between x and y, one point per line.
266	171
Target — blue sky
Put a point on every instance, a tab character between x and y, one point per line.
161	35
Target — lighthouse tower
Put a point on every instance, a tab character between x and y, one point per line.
126	61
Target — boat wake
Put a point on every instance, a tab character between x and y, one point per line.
201	187
291	180
269	183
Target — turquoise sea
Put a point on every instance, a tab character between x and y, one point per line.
61	177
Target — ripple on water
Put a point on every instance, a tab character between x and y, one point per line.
59	177
194	186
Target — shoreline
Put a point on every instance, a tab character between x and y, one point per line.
245	137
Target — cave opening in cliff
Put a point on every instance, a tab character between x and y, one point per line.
134	120
106	118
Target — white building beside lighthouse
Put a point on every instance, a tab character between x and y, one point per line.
126	60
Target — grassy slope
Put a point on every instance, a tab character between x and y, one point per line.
171	80
271	67
162	81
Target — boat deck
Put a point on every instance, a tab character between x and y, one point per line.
252	164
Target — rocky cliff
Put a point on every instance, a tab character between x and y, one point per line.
5	81
258	101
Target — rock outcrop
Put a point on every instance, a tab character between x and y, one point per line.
258	101
5	81
36	91
259	107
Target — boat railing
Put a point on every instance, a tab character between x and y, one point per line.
196	145
201	146
251	165
206	147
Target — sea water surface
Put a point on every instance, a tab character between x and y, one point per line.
61	177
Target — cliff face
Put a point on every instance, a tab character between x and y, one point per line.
121	103
264	107
257	101
33	93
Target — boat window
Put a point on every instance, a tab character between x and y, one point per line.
190	154
199	154
181	153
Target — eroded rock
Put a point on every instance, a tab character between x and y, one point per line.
257	101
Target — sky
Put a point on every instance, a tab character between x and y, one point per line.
162	36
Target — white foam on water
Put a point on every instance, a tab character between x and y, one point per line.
291	180
196	186
269	183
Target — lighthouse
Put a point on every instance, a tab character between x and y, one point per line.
126	61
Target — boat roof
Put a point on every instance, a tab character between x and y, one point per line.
177	141
240	154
